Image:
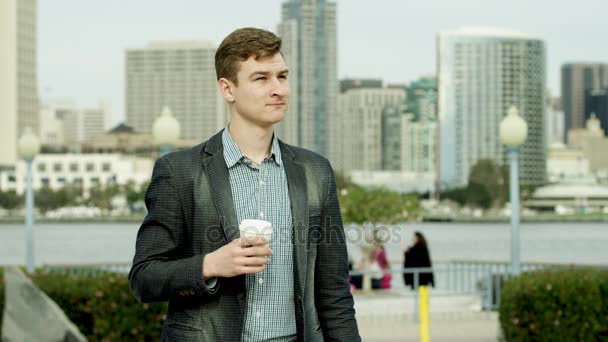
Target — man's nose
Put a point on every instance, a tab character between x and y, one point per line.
280	87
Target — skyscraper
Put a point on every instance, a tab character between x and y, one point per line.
308	30
360	118
64	124
596	102
554	122
18	80
180	75
410	129
482	72
578	81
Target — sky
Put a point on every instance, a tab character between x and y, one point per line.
81	44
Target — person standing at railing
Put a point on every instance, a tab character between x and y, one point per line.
417	256
380	262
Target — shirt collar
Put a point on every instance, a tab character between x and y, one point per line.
233	155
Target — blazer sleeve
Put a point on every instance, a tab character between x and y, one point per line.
333	300
160	271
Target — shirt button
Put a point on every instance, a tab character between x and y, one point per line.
260	280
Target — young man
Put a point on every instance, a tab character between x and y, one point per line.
224	288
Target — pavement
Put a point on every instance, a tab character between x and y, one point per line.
389	316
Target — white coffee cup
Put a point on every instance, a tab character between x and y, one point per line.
250	227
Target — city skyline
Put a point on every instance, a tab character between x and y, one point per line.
81	46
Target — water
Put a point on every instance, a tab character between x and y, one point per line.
115	243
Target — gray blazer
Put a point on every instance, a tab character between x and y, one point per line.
191	213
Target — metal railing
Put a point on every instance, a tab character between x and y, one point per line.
451	277
467	277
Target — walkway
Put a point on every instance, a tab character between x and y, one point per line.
388	316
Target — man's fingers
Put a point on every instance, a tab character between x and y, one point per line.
256	251
252	261
246	241
250	269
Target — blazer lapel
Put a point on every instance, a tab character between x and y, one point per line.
219	183
298	196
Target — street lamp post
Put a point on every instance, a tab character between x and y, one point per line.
29	146
165	131
513	133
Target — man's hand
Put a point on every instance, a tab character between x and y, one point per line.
246	255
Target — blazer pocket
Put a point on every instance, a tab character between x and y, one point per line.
178	332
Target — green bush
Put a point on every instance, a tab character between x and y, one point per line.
563	305
102	306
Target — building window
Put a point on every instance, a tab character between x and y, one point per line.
95	180
41	167
90	167
61	180
74	167
12	179
44	181
57	167
106	167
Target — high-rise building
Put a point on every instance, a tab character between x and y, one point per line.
18	80
352	83
308	30
392	136
180	75
554	122
360	118
592	142
410	130
596	103
51	128
422	98
482	72
578	79
66	125
418	146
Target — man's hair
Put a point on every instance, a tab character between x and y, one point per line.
242	44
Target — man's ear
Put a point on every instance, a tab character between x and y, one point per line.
226	89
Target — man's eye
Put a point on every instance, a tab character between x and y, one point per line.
283	76
260	78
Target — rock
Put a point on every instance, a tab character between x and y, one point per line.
30	315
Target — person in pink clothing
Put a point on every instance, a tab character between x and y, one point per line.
378	258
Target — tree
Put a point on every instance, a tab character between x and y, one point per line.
101	196
360	205
478	196
486	183
135	194
458	195
47	199
9	200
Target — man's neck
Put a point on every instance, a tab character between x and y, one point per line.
253	141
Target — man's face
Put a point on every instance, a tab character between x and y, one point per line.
261	96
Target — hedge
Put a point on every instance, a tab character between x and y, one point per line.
101	305
560	305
